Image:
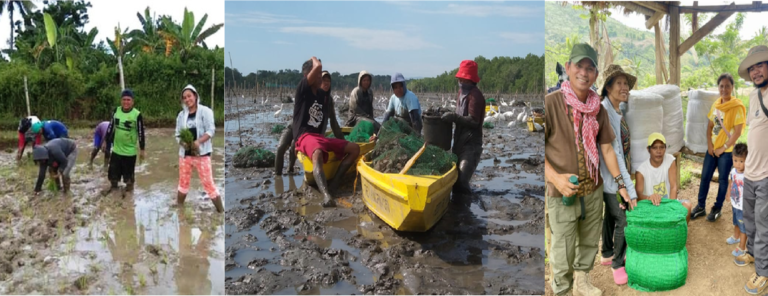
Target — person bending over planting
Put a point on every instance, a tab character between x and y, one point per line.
656	178
58	156
126	128
100	143
287	140
50	129
26	135
194	131
311	110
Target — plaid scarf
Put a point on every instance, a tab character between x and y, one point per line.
589	132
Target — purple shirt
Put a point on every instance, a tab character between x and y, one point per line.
101	129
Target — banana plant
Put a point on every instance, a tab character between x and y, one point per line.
119	48
148	38
59	40
188	35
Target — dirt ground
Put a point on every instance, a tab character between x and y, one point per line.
711	270
279	240
88	244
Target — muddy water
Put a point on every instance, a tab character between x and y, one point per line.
88	244
281	241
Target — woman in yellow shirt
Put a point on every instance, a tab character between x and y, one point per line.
726	122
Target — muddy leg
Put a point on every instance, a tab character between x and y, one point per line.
217	203
468	161
180	197
285	141
320	180
93	155
352	150
185	174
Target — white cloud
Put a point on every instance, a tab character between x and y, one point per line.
367	38
486	10
522	37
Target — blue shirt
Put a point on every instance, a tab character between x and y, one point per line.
53	129
402	107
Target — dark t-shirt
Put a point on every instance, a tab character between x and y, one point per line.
310	110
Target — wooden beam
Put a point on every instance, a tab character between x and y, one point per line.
637	8
704	31
674	42
653	5
654	19
726	8
695	22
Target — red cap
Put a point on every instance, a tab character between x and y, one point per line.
468	70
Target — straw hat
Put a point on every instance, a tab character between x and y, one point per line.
613	71
756	55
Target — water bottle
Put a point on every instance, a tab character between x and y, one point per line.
568	200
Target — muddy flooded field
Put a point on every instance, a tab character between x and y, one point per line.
88	244
279	240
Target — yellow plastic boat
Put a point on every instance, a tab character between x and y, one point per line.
406	203
531	120
332	165
491	107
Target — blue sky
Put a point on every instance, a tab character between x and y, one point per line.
419	39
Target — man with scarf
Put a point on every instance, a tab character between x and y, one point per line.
469	117
755	68
286	138
577	126
361	101
404	104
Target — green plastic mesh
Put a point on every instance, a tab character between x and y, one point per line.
657	259
248	157
397	143
361	132
656	272
278	128
488	125
490	100
668	214
657	240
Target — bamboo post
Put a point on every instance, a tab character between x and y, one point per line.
213	79
26	92
237	107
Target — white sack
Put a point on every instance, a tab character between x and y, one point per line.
673	115
644	116
699	103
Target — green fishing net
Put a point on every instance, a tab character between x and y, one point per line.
361	132
248	157
488	125
398	142
490	100
278	128
657	259
656	272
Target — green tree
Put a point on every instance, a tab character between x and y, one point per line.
187	36
9	6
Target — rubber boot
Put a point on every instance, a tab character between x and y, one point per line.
128	189
468	161
322	185
582	286
67	181
292	159
180	197
109	188
340	173
217	203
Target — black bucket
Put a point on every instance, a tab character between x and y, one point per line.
437	132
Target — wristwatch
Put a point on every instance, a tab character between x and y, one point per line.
619	180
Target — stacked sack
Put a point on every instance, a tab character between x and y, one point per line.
644	116
673	115
657	259
699	104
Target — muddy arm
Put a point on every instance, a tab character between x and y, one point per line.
140	125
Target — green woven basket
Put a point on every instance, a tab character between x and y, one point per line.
657	240
656	272
667	215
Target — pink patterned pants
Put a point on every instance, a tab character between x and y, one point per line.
203	166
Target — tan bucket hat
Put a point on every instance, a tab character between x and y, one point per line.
613	71
756	55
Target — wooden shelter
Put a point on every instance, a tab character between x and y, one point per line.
654	11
